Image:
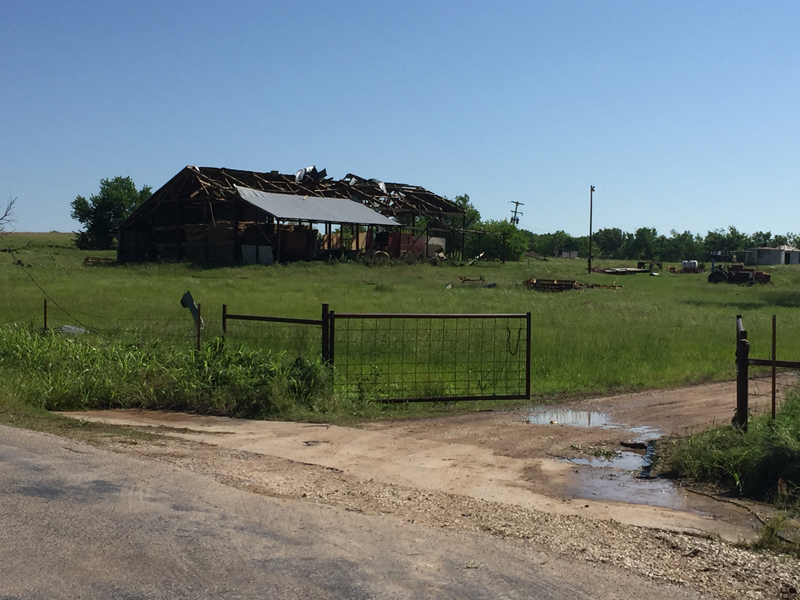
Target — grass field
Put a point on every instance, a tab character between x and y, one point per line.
654	332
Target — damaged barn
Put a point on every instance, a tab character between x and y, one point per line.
218	215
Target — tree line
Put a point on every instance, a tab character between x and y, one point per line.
646	244
610	243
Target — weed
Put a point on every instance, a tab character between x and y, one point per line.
762	463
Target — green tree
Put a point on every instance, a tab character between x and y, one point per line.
470	220
103	213
516	240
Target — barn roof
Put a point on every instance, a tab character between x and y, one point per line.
388	199
288	207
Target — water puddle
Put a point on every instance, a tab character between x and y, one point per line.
625	486
624	460
573	418
626	475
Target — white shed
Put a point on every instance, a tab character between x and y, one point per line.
782	255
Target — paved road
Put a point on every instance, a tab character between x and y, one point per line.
81	522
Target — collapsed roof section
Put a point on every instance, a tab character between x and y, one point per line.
389	199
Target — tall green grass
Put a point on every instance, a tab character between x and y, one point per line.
654	332
762	463
57	372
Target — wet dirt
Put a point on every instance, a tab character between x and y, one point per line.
505	456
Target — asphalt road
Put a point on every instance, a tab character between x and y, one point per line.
82	522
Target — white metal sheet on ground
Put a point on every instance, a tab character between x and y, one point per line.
312	208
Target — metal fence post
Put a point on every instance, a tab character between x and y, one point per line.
332	338
774	365
45	314
528	357
742	358
225	320
325	333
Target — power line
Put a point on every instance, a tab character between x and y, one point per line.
515	214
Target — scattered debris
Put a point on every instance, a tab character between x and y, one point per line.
70	330
463	279
552	285
97	261
563	285
619	270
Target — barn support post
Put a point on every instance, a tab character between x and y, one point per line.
206	204
463	237
237	251
742	364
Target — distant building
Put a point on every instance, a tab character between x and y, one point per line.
782	255
213	215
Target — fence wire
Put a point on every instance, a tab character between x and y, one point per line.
410	358
759	385
293	338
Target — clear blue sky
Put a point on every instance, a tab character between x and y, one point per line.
683	114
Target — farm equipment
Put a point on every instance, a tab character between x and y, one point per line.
737	273
688	266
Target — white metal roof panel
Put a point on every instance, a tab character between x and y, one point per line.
312	208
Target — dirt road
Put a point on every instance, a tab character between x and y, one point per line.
82	522
498	473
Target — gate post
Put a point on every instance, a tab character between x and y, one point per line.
332	337
742	364
325	333
528	357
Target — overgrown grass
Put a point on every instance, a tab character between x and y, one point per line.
56	372
41	372
762	463
654	332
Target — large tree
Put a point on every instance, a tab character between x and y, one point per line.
103	213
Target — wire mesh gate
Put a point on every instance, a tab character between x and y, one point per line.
428	357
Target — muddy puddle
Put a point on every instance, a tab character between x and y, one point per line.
588	418
625	475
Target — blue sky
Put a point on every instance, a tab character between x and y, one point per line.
684	115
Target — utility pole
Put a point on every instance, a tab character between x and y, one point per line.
515	214
591	191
